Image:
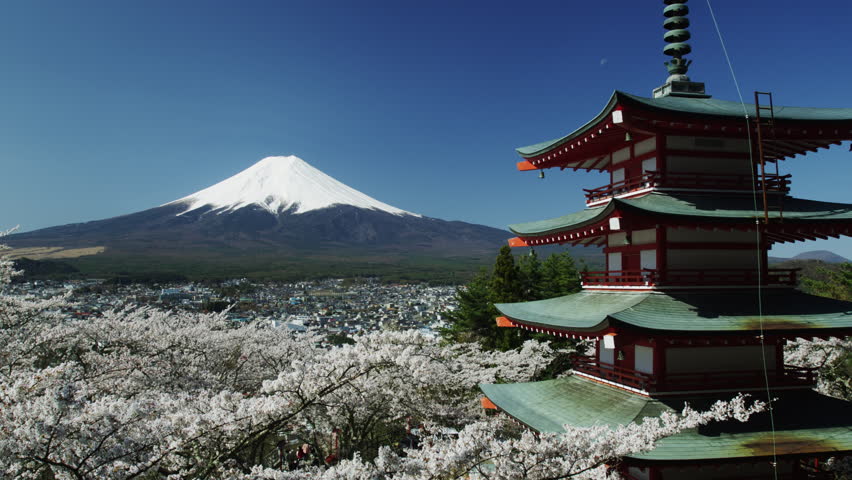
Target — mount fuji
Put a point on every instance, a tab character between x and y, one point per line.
281	184
280	207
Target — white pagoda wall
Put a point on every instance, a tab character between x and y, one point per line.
676	163
637	238
711	258
708	359
709	166
706	144
696	259
692	235
621	155
645	146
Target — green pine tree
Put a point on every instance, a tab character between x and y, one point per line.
473	320
531	275
530	279
506	283
507	286
559	276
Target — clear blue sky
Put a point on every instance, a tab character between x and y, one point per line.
109	107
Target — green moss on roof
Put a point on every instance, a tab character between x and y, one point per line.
692	106
805	421
784	310
705	207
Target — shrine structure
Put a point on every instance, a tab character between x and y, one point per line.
688	309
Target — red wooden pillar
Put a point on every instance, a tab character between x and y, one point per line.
763	251
661	157
630	165
662	263
660	362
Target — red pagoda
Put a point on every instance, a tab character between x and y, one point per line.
688	310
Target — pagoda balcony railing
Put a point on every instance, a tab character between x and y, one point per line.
623	376
689	277
789	376
774	183
627	278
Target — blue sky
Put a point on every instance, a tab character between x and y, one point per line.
108	108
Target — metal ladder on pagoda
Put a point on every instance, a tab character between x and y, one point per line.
762	122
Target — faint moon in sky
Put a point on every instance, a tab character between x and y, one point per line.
604	61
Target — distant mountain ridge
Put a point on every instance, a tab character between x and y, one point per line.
281	207
279	202
821	255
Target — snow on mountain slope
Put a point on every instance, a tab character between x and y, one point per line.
282	183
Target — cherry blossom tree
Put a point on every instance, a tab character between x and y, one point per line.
142	393
489	450
833	359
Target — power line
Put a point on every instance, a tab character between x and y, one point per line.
759	243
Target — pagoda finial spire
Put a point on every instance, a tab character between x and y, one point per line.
676	23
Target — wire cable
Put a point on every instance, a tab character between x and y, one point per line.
759	243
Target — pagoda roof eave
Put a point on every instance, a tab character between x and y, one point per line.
574	220
712	107
786	312
542	147
805	421
586	312
695	109
685	207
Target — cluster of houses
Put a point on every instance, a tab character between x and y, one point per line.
340	307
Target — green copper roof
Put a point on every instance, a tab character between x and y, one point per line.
577	220
805	421
724	108
539	148
581	312
546	406
729	208
784	310
691	106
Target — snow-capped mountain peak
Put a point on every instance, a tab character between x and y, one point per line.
277	184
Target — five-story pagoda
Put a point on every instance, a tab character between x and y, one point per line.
687	309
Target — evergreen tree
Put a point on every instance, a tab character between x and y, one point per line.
506	283
473	319
507	286
559	276
531	276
